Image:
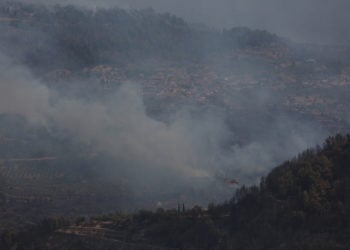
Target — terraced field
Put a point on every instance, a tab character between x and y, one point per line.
32	189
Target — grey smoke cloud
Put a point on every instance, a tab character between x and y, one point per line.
30	99
122	128
119	125
320	21
189	147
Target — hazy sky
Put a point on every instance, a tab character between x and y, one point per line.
324	21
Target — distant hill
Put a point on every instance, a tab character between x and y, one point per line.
302	204
72	37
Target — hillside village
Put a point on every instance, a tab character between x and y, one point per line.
304	86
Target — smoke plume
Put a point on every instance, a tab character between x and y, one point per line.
189	147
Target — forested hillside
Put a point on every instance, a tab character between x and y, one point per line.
302	204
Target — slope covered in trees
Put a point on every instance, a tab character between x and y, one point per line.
302	204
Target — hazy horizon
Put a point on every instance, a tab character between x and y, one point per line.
321	21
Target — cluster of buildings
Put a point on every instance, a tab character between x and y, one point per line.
303	84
